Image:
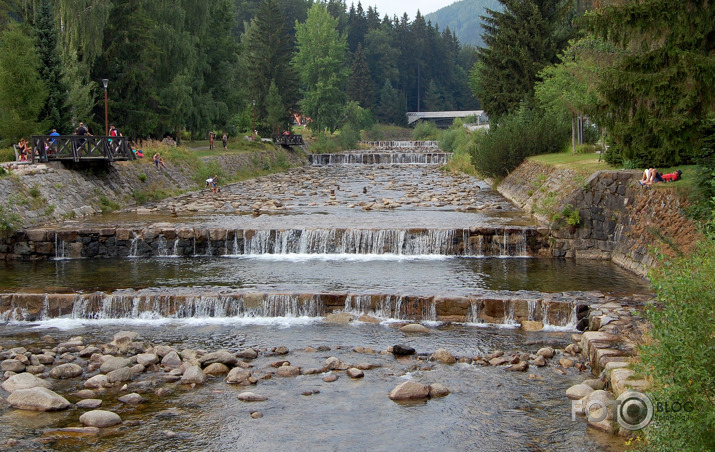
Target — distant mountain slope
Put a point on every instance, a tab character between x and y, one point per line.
463	18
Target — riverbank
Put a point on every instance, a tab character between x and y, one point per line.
33	195
606	215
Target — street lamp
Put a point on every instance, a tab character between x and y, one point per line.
253	131
105	82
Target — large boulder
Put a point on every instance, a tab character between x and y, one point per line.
37	399
12	365
409	390
579	391
193	375
222	357
216	369
63	371
119	375
100	418
147	359
24	381
114	363
171	360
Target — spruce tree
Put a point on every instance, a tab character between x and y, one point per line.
520	40
389	109
54	112
267	53
360	83
661	88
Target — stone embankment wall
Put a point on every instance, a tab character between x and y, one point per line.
46	193
619	219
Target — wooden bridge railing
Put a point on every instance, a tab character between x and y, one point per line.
80	148
288	140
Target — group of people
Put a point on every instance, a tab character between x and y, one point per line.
212	183
652	176
212	139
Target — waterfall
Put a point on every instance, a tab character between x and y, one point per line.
380	158
60	249
533	305
163	249
509	307
134	244
359	304
474	311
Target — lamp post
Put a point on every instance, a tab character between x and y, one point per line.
105	82
253	131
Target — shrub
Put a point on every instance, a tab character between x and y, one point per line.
680	357
204	170
425	130
323	145
349	137
35	192
107	205
142	177
461	163
9	222
518	135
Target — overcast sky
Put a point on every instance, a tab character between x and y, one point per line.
397	7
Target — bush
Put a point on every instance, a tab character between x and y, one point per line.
142	177
349	137
680	358
204	170
9	222
518	135
324	145
7	155
461	163
425	130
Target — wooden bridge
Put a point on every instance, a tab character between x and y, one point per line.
288	140
75	148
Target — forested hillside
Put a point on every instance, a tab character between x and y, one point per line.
464	19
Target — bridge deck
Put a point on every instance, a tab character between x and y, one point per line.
80	148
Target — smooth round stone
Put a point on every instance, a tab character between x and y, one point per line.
24	381
37	399
100	418
90	404
63	371
251	397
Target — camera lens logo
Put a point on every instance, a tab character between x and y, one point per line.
634	410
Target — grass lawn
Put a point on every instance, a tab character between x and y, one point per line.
587	164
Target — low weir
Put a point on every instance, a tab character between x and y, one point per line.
509	241
380	158
552	309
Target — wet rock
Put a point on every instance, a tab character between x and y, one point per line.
88	351
137	369
35	369
438	390
409	390
323	348
368	319
546	352
539	361
532	325
114	363
280	363
12	365
443	356
100	418
310	349
193	375
222	357
216	369
163	350
90	404
85	394
147	359
499	361
171	360
251	397
402	350
367	366
119	375
256	414
238	375
45	359
332	363
281	350
330	378
355	373
63	371
24	381
572	349
98	381
288	371
341	318
579	391
566	363
595	383
414	328
249	353
521	366
124	337
132	399
37	399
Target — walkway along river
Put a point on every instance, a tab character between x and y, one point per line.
306	280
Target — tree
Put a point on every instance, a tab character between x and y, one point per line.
661	87
54	112
521	40
389	107
320	62
267	55
22	91
275	112
360	83
565	86
434	99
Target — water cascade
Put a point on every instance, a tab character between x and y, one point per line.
380	158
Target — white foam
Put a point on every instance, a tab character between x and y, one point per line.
343	257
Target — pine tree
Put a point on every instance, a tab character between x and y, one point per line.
434	100
267	54
521	39
275	112
661	87
55	111
389	109
360	83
